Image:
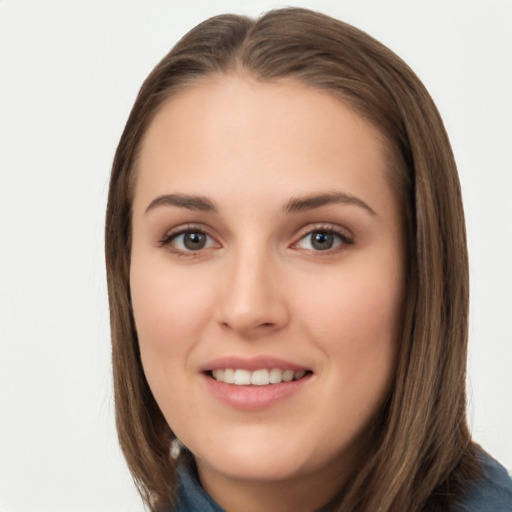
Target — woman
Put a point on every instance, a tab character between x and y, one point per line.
287	273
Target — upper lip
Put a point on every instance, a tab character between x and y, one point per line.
251	363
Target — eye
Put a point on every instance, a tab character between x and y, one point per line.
188	240
323	240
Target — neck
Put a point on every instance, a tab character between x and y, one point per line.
298	494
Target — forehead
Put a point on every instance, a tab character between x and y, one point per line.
240	129
220	98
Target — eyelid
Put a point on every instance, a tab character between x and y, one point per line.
342	233
346	237
167	239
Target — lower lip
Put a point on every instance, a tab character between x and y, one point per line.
253	398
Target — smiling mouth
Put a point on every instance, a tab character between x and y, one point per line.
261	377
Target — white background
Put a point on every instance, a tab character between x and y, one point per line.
69	73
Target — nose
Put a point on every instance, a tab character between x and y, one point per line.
252	298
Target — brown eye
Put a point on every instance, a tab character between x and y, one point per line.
194	241
190	241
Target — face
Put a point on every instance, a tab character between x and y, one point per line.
266	278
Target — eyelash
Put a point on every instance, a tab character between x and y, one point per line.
168	238
344	239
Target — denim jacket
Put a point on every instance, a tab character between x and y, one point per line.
493	493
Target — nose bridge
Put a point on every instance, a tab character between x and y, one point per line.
252	298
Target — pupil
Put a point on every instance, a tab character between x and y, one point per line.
194	241
322	240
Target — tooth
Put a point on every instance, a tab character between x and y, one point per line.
260	378
242	377
218	374
288	375
275	376
229	375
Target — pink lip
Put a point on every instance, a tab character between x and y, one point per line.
251	364
252	398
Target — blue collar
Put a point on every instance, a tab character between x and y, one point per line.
191	497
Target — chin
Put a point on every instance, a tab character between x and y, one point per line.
261	469
259	461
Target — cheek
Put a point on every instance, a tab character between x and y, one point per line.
168	308
171	313
354	321
362	306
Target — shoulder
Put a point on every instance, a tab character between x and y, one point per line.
492	492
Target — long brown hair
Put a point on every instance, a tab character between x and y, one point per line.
420	454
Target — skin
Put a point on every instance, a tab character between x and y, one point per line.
259	286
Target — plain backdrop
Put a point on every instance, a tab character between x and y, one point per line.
69	73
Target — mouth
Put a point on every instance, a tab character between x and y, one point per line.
259	377
255	383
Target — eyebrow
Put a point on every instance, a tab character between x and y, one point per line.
294	205
313	201
189	202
